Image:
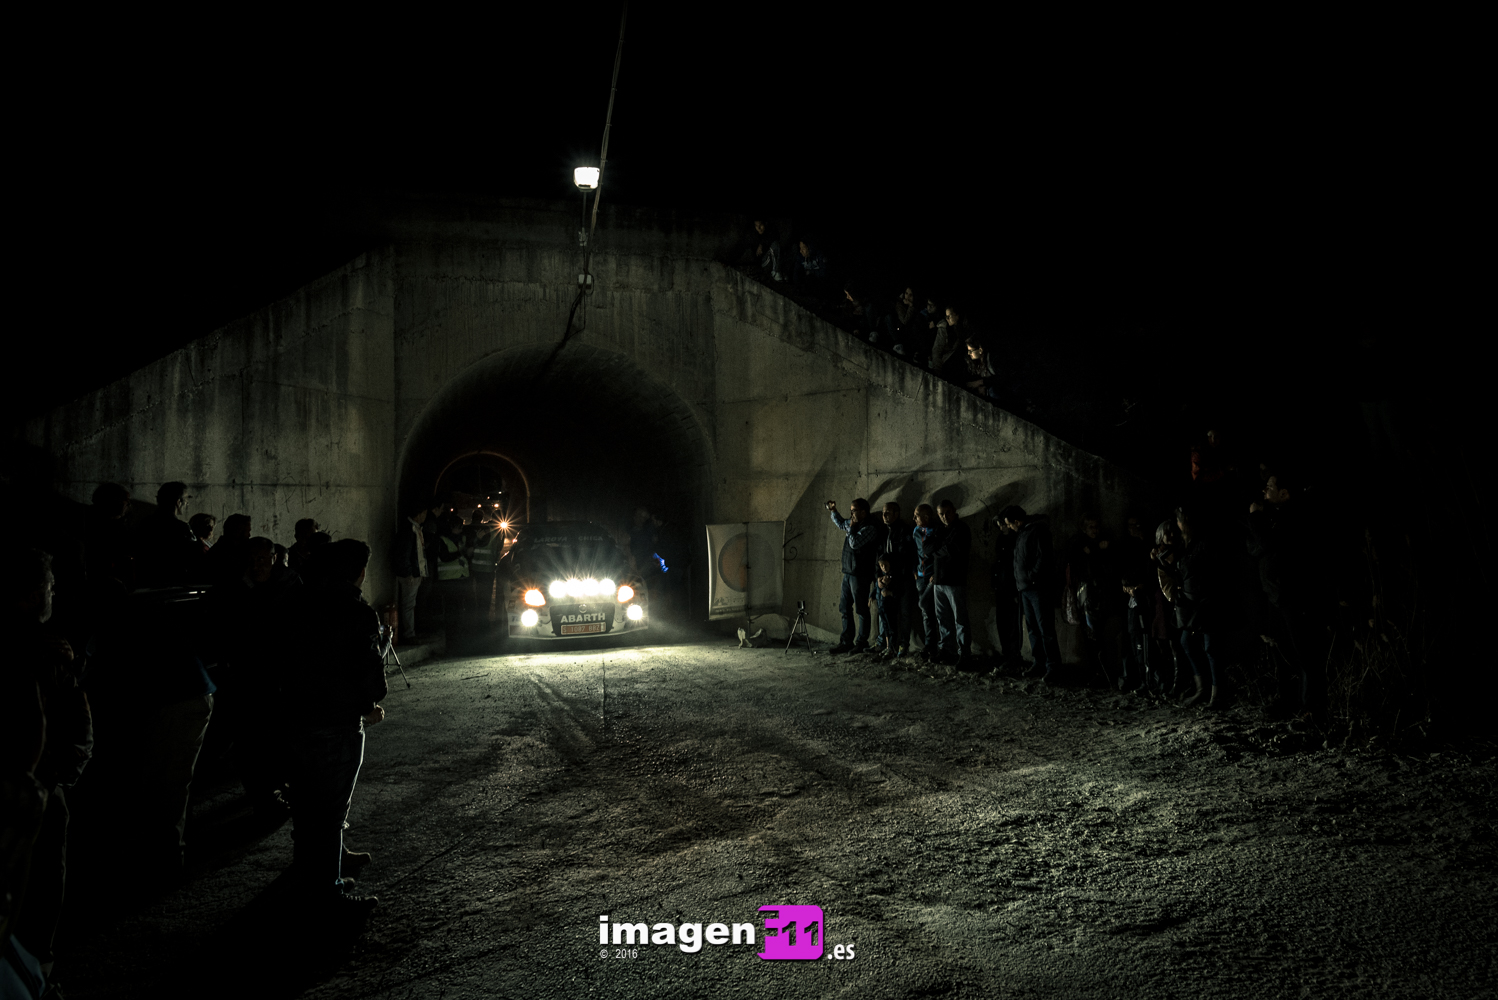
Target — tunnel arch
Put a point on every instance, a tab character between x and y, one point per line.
592	433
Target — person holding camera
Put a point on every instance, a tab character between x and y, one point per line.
861	548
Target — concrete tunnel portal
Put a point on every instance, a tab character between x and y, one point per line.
576	433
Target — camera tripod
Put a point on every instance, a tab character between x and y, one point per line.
388	655
798	627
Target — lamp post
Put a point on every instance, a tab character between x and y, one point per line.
586	179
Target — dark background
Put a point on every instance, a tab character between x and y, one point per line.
1234	219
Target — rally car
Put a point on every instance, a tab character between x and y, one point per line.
568	579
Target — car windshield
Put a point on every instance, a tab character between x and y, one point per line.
567	551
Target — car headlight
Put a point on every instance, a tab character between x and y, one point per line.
635	613
533	598
558	589
528	617
605	586
626	593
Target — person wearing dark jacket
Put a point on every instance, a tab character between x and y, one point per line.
334	693
1196	592
949	577
899	600
861	550
229	557
1006	598
408	555
39	663
166	548
1281	538
1092	573
252	663
1033	580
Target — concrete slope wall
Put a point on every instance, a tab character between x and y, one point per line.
281	415
706	388
807	414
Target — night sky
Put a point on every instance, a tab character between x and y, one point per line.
1188	205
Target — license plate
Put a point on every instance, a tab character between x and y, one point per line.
584	628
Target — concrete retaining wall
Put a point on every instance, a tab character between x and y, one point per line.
333	401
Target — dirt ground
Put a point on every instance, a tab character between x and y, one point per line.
964	836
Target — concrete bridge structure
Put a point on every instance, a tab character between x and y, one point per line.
691	389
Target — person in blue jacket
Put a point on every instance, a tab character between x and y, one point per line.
860	551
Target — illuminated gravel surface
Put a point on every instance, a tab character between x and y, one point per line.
965	838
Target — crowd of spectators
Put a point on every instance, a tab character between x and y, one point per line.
928	331
141	648
1233	587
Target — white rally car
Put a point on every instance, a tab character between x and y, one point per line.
567	579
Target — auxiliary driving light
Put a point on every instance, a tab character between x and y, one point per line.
626	593
558	589
635	613
605	586
528	617
533	598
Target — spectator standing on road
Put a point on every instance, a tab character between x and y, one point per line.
900	593
1006	598
454	578
203	526
1033	580
1282	538
408	555
1093	576
885	598
252	611
306	529
227	560
106	543
1196	591
338	683
950	563
924	536
37	662
165	545
860	552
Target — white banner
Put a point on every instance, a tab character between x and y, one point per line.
745	568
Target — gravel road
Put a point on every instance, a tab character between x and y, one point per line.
963	836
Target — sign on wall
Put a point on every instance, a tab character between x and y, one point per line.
746	569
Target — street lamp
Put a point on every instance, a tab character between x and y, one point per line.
586	179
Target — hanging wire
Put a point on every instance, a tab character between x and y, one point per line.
603	160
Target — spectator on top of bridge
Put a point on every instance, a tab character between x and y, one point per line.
980	368
947	359
927	327
863	315
810	273
766	252
903	324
